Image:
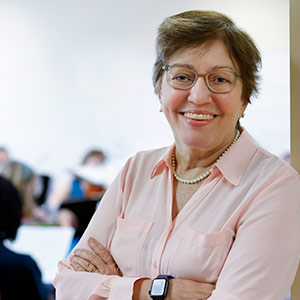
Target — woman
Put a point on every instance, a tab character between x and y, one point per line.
77	189
214	210
25	181
22	177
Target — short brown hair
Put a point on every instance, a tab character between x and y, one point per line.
193	28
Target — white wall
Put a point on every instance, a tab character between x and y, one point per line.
77	74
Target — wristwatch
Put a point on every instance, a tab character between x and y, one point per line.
159	287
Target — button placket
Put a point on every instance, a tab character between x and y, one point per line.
159	249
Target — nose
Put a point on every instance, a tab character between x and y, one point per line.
199	93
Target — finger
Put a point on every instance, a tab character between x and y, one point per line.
111	268
101	251
91	257
87	255
76	266
84	264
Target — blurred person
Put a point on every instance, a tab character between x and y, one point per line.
213	216
23	179
79	188
20	276
94	157
74	203
82	188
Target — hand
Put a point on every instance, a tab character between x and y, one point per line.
179	289
67	218
99	260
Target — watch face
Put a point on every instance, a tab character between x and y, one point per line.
158	287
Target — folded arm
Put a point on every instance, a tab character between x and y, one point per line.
99	260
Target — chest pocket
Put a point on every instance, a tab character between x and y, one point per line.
127	244
200	256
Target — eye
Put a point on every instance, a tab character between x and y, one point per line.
182	77
221	78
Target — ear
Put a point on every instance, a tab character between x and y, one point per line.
161	109
160	96
243	108
244	105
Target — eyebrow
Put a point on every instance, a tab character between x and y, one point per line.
218	67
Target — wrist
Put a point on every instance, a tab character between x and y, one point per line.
159	287
141	289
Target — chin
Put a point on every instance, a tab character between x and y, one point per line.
193	142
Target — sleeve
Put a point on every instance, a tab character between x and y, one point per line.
93	286
264	257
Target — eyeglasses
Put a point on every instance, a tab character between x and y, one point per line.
217	81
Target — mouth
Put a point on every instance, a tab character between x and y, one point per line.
199	117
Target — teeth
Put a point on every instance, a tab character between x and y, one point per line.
198	116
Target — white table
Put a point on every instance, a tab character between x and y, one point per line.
46	244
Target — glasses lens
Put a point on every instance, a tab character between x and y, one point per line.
180	77
221	81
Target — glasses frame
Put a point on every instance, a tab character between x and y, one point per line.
197	75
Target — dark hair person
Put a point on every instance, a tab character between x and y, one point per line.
213	216
20	276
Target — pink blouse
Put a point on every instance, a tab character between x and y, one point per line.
240	230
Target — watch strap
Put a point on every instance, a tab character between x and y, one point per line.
164	276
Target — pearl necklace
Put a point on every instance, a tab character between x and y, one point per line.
207	173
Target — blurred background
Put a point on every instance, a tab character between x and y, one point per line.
76	75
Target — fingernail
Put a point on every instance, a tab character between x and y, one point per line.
91	240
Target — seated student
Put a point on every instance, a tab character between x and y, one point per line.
78	188
74	202
23	179
20	277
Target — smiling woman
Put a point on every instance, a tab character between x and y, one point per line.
195	220
200	116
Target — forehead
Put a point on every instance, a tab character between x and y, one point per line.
204	57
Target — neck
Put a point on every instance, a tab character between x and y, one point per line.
189	158
199	165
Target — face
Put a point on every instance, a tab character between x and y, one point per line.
94	160
198	117
3	156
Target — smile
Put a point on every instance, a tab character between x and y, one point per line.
198	116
